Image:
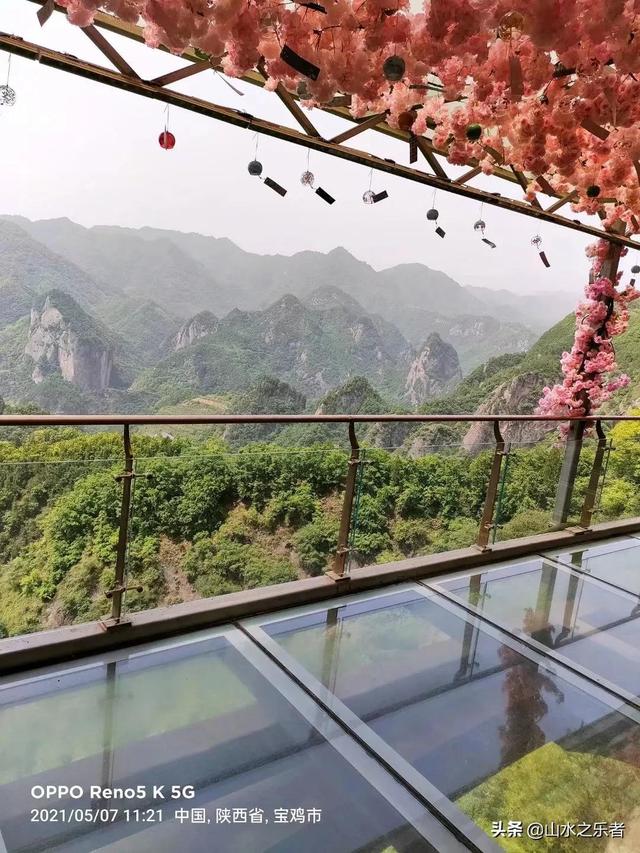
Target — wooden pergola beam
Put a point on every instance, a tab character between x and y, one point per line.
472	173
183	73
291	104
426	149
73	65
107	49
521	179
339	106
360	127
562	201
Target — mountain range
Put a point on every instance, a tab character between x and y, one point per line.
109	318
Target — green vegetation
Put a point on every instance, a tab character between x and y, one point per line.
208	519
588	788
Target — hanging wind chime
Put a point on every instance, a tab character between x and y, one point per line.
369	197
7	94
255	170
166	139
537	242
433	214
480	226
307	179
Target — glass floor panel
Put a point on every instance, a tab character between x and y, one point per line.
224	732
584	621
616	562
499	730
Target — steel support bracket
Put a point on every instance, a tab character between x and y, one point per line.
110	624
336	576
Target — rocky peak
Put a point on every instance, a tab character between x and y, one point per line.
356	396
517	396
64	339
197	327
434	371
328	297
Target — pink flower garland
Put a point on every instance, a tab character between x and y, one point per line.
589	368
553	84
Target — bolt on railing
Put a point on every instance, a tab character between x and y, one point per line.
339	572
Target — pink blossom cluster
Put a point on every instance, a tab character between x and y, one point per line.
553	84
589	368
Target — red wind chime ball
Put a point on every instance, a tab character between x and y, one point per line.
167	140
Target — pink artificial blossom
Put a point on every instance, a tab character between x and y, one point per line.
588	370
578	62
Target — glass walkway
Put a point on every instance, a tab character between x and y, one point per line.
491	709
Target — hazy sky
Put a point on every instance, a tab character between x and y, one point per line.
74	148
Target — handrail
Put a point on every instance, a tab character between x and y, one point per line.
159	420
340	570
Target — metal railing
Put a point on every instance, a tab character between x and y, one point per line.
339	570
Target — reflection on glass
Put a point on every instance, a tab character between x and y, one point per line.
590	624
493	729
194	715
615	562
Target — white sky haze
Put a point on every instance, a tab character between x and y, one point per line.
73	148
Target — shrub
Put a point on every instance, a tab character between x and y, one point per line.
315	543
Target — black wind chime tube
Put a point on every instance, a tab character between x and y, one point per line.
537	242
275	186
324	195
299	63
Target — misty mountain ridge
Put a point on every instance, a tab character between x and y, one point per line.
217	275
175	315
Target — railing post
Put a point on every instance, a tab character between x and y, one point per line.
119	588
591	496
486	524
568	472
342	552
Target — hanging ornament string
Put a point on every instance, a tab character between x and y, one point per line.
7	94
307	178
433	214
255	166
480	226
368	196
166	139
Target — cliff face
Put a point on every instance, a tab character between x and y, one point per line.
62	339
518	396
434	371
197	327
